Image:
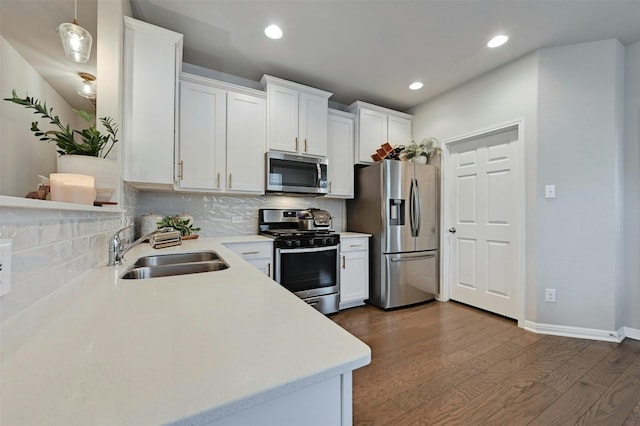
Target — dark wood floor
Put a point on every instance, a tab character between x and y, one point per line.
447	363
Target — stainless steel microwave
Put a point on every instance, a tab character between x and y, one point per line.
290	173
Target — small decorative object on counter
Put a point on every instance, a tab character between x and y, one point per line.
165	239
185	226
422	152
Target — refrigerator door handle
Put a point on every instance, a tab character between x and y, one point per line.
407	259
412	209
418	208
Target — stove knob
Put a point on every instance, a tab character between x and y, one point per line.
296	243
289	243
329	241
312	241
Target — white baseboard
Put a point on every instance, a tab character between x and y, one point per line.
577	332
631	333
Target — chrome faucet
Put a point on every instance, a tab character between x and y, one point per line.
117	249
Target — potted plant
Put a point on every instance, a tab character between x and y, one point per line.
185	226
81	151
422	152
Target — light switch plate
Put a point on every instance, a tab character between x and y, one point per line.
236	219
549	191
5	266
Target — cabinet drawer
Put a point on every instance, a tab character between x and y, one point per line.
354	244
252	250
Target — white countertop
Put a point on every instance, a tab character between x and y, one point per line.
353	235
192	348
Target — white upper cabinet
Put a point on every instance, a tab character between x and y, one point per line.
340	154
246	143
296	117
152	62
376	125
201	152
222	137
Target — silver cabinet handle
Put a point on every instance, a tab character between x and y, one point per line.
244	253
218	180
305	144
296	143
180	167
269	269
355	245
344	261
229	180
452	230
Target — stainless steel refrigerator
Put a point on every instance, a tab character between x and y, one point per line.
398	203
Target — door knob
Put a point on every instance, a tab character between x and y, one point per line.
452	230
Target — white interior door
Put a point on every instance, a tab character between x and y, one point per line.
483	222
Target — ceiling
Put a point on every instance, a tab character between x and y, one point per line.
359	50
372	50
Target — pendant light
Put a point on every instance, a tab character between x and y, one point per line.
87	87
76	41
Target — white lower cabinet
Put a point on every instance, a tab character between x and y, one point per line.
258	253
354	271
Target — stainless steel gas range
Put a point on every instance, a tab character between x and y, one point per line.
306	260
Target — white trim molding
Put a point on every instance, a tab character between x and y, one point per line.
578	332
631	333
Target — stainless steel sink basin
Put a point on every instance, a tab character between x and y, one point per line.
173	258
167	265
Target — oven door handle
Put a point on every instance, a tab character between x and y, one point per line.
305	249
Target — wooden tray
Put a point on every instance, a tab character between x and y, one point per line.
191	237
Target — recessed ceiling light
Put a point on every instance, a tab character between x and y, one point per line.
497	41
273	31
416	85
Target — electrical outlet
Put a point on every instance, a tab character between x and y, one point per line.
549	191
550	295
236	219
5	266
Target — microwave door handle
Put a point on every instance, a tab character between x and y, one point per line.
319	175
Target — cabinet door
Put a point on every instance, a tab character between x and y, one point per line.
313	125
263	265
399	131
202	137
283	118
259	254
340	155
372	134
150	67
354	278
246	143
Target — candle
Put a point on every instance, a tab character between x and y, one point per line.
72	188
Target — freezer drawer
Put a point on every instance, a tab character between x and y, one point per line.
408	278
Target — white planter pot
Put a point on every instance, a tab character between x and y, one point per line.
106	172
419	159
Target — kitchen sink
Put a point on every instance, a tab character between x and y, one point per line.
168	265
173	258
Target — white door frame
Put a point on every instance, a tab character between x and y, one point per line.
445	273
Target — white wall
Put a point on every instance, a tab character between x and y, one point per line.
580	105
630	296
504	95
571	100
22	155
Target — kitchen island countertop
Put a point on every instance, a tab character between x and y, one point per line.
196	347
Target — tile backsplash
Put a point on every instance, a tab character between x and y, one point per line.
50	248
214	213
